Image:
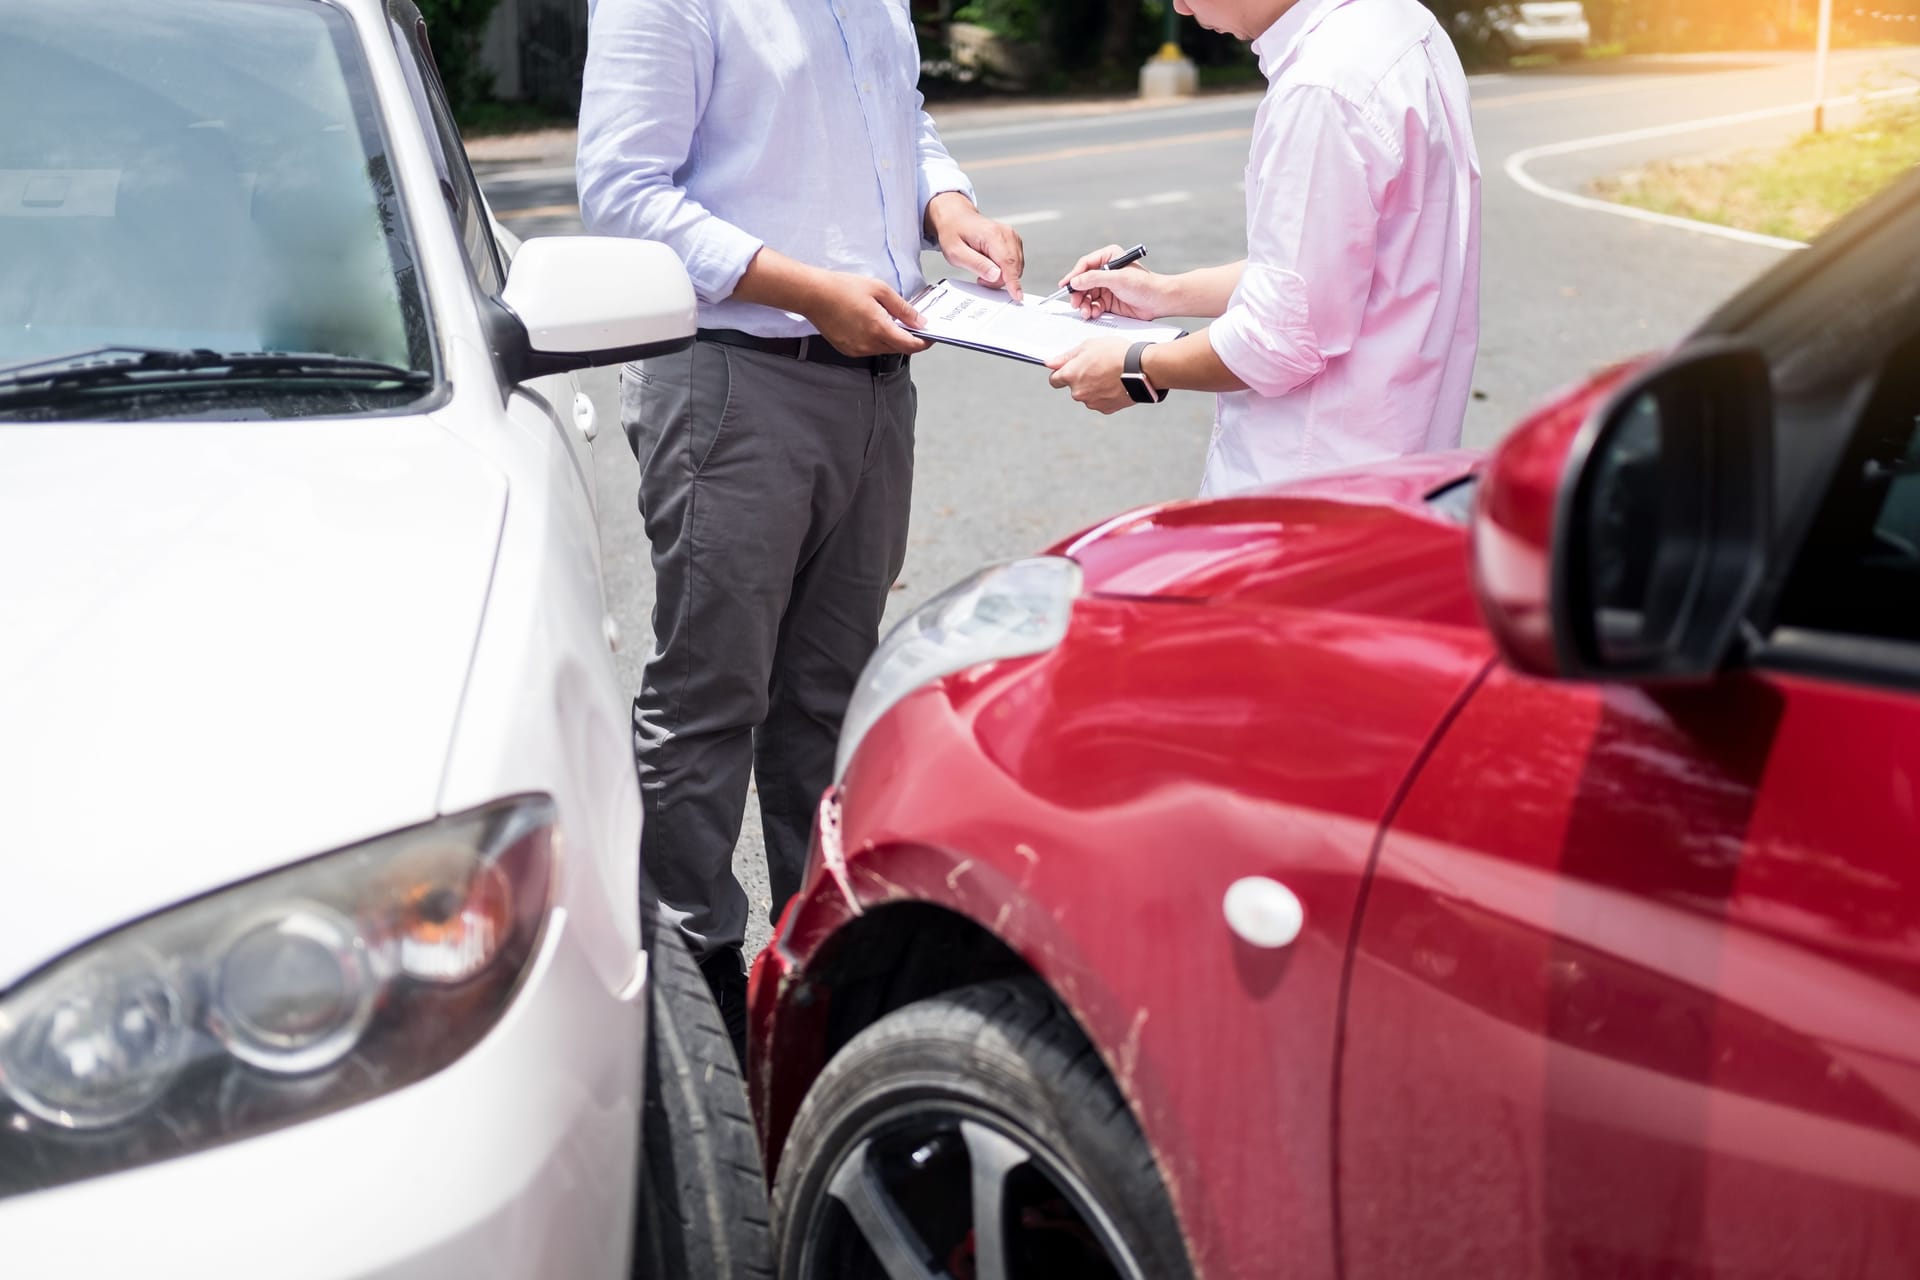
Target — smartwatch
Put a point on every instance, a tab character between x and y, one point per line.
1135	380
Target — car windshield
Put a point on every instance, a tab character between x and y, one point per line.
187	174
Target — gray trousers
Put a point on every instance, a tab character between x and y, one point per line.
775	497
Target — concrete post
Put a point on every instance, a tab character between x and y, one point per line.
1170	73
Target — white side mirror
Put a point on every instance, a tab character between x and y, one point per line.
598	300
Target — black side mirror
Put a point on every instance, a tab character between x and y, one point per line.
1661	533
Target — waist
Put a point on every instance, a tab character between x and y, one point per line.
812	349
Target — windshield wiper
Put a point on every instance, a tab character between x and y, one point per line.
145	368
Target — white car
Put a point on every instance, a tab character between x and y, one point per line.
1537	26
321	949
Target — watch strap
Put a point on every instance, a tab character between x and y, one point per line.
1134	378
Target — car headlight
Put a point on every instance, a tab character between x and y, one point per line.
1004	611
307	990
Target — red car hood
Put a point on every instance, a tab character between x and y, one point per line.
1360	541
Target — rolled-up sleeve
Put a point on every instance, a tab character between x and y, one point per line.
938	172
649	69
1311	241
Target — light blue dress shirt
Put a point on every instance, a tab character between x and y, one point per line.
719	126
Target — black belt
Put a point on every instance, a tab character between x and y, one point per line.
813	348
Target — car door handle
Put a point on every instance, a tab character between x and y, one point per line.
1263	913
584	416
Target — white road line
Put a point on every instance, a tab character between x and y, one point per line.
1162	198
1029	219
1227	104
1516	166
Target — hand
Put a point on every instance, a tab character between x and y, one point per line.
1092	372
856	314
971	241
1131	291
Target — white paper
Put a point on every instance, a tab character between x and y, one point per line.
971	313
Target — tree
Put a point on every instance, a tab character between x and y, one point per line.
454	30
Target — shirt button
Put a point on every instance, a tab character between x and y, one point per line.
886	164
866	86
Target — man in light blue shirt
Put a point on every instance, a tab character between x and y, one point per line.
779	146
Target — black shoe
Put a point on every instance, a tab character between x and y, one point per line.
726	977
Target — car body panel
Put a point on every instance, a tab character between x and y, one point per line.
1294	547
516	1160
1637	988
1045	799
238	644
412	604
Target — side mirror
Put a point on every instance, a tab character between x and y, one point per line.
1621	534
575	302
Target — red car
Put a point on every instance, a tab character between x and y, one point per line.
1448	868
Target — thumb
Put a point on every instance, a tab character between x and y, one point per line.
1097	280
967	258
897	306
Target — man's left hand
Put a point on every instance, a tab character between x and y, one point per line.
971	241
1092	372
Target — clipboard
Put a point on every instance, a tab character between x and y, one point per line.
963	314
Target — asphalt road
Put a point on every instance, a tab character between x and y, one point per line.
1007	466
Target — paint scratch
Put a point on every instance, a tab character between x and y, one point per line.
1129	1056
953	876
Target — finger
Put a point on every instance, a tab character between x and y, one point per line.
1057	378
1011	254
1098	258
967	258
1095	279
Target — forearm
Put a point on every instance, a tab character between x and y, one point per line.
941	205
1188	364
1205	291
773	279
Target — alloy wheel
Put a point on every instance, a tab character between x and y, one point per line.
942	1190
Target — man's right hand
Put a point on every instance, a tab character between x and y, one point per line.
857	313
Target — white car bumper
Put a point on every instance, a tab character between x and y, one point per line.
1524	37
516	1161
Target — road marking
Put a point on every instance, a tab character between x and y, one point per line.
1143	202
1029	219
1120	114
1105	149
1517	163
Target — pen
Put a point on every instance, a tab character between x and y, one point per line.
1126	259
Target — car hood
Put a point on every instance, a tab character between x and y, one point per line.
1369	540
227	647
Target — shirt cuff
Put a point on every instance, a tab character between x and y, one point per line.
1271	366
937	178
719	256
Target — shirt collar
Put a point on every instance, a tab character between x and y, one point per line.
1276	44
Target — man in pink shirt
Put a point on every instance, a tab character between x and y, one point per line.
1348	333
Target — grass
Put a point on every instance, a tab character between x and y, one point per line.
1794	192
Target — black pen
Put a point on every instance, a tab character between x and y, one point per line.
1126	259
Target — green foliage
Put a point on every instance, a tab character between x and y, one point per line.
454	28
1009	19
1796	191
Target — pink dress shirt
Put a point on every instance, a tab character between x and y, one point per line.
1358	316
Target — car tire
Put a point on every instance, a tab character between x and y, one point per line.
988	1094
702	1190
